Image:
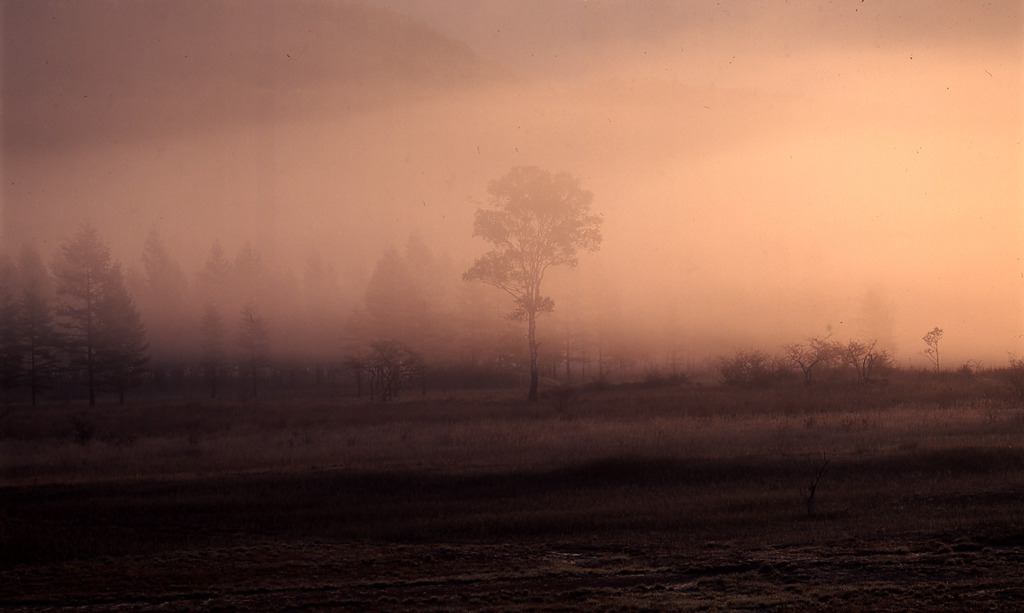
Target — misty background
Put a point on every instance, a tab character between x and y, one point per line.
766	171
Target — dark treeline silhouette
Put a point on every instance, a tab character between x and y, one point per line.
244	326
76	329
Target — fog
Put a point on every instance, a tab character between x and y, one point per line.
766	171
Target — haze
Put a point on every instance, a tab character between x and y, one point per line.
767	171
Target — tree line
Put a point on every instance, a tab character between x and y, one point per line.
244	325
78	328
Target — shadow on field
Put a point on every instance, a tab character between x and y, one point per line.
606	500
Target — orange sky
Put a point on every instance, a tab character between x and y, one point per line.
765	169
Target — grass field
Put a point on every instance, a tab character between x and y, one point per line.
671	498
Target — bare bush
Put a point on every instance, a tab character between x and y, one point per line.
82	428
391	366
1013	376
816	354
751	369
564	398
866	359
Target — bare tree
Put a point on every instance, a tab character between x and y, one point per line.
865	359
817	352
537	220
391	366
750	369
932	340
812	489
1013	376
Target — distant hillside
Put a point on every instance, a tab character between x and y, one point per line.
79	70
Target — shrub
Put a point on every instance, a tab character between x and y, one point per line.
83	429
1013	376
751	369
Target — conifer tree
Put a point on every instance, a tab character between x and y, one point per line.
121	350
212	332
35	325
11	348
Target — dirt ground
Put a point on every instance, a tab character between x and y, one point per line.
513	542
634	503
898	574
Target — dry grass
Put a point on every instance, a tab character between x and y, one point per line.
487	433
671	498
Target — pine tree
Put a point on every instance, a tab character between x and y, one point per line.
11	348
212	332
100	327
254	342
121	350
81	271
163	297
36	323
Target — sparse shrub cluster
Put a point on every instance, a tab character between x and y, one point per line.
388	367
1013	377
751	369
757	369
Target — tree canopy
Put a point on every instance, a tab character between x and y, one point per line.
536	220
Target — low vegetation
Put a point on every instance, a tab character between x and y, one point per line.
610	491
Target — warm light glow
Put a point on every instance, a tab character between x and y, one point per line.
765	169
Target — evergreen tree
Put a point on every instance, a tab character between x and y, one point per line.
163	298
214	280
100	326
212	332
254	342
36	323
81	270
11	348
121	349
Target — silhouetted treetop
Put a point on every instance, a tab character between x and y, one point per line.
537	220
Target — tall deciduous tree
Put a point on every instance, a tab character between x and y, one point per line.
536	220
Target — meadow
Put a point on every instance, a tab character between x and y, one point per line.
670	497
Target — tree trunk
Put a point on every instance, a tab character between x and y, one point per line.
532	336
91	380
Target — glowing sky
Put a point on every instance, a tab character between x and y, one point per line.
767	170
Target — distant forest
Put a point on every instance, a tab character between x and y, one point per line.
82	326
78	322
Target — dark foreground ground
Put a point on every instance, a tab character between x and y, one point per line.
921	530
